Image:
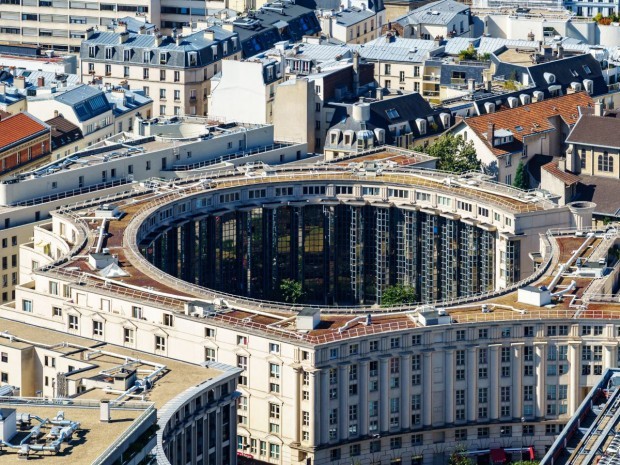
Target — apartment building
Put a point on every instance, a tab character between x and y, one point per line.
340	387
62	25
24	139
175	71
97	113
352	25
593	145
505	138
142	398
444	18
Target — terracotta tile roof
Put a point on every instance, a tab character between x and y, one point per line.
19	127
599	131
61	125
528	119
568	178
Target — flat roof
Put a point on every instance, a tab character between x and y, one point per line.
90	441
177	377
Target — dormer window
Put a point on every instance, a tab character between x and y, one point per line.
126	55
163	58
193	59
146	57
92	50
214	51
109	51
225	48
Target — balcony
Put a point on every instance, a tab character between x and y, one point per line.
430	77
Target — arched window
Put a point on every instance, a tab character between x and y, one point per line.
605	162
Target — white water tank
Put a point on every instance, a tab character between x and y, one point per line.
8	424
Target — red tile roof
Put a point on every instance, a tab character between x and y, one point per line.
553	169
19	127
531	119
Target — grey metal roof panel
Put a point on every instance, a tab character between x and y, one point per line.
493	44
87	102
353	16
441	12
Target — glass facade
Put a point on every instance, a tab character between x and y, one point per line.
341	254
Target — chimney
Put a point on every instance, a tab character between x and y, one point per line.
158	39
379	93
41	81
178	39
471	85
89	32
562	164
2	88
142	30
209	34
598	108
356	72
123	36
531	36
491	133
560	52
19	82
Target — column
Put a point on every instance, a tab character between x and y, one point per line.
362	411
472	383
541	379
574	396
427	380
449	386
343	402
318	410
609	356
384	392
296	406
494	382
405	391
324	406
517	380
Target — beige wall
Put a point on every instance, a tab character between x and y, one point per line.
192	85
591	161
293	113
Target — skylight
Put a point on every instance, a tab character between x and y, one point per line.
586	68
519	128
392	113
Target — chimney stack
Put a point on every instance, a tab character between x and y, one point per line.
598	108
560	52
2	88
19	82
41	81
471	85
356	72
490	133
562	164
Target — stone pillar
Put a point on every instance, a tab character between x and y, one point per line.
541	377
296	406
427	380
517	380
384	394
472	384
449	386
574	395
363	398
323	405
317	411
343	402
494	374
405	391
609	356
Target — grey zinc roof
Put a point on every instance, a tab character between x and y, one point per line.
438	13
177	53
131	101
86	101
457	44
493	44
401	50
352	16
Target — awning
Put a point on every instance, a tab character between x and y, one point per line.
498	456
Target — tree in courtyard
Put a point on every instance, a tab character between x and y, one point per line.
291	291
454	154
398	294
522	180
